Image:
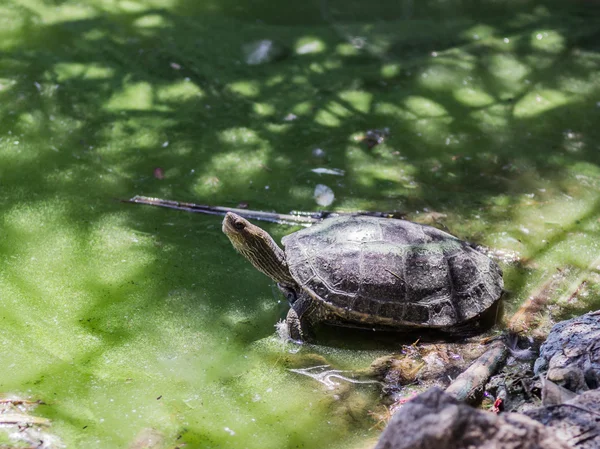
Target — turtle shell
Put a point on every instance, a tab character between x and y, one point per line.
380	271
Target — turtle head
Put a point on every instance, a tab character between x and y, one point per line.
256	245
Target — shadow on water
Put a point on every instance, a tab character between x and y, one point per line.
377	339
485	104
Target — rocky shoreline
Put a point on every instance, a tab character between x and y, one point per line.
548	402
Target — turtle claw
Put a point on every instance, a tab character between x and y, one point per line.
294	327
297	333
283	332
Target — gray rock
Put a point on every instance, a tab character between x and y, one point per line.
435	420
577	421
570	356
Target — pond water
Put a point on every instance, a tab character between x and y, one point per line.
125	318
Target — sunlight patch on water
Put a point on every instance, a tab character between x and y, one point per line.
473	97
327	118
32	121
432	131
369	172
507	67
245	163
359	100
6	84
131	6
309	45
491	119
347	49
179	92
120	252
299	79
275	80
424	107
68	70
12	25
302	108
151	21
279	128
479	32
393	110
134	96
249	89
391	70
263	109
441	77
240	136
550	41
539	102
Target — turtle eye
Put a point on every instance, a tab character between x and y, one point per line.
291	296
239	225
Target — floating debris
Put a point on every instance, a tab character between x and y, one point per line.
263	51
374	137
328	171
318	153
23	429
512	344
290	117
325	376
323	195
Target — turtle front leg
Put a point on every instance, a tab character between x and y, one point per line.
301	319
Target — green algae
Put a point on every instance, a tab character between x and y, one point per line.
126	318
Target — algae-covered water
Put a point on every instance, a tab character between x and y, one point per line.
124	318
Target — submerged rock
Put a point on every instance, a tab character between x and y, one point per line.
570	356
436	420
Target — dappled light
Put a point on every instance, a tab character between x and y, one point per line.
123	318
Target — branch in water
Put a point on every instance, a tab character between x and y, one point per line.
467	386
293	218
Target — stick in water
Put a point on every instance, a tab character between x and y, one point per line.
293	218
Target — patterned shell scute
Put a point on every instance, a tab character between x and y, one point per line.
393	272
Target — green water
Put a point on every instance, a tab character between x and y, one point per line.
123	318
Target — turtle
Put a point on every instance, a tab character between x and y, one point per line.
373	273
